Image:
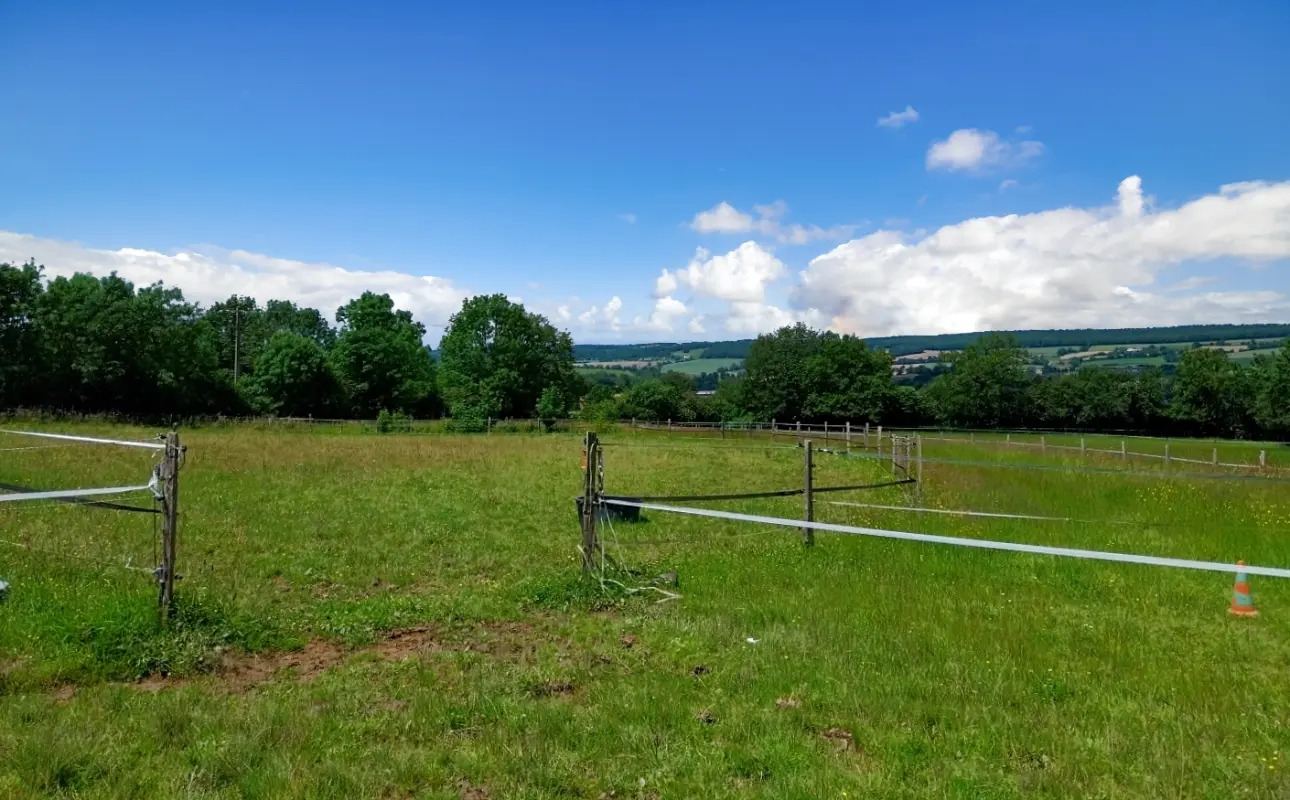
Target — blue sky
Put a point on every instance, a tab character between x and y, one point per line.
562	153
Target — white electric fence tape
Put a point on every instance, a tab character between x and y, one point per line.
91	440
67	494
984	544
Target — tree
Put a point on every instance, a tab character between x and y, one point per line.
498	356
293	377
1210	393
797	373
1272	391
381	360
658	400
20	370
986	385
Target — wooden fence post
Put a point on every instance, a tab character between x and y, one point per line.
1215	456
918	487
808	501
1263	458
826	433
1007	438
848	434
772	430
1124	451
669	426
866	436
169	475
1167	459
799	427
1083	446
1043	444
590	500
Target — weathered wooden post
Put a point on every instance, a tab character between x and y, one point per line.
169	477
669	426
848	434
1216	456
1167	458
866	436
826	433
1263	459
1124	451
1007	438
808	501
590	501
1043	444
1083	447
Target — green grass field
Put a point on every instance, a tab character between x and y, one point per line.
699	366
403	616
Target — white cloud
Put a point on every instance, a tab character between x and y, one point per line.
630	219
740	275
665	284
1067	267
695	324
725	218
722	218
563	313
898	119
972	150
1008	183
215	273
661	319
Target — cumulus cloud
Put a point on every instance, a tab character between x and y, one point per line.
214	274
665	313
898	119
972	150
768	222
1067	267
738	276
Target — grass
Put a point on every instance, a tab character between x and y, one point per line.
699	366
880	668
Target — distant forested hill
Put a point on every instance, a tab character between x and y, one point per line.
902	345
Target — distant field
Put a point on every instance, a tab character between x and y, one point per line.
699	366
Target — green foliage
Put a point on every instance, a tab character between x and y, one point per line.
293	377
497	356
381	360
1272	391
800	373
1210	392
986	385
393	422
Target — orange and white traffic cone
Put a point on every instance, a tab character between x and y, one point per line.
1242	603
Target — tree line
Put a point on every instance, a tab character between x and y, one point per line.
99	344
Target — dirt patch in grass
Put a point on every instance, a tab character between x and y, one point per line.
240	672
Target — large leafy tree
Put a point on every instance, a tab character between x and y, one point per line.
1272	392
20	372
1211	393
294	377
986	385
800	373
498	358
381	360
